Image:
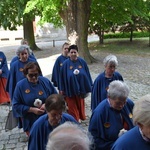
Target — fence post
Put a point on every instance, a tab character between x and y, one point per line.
53	43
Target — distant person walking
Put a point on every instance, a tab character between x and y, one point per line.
58	64
17	57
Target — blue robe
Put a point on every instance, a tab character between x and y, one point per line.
4	96
41	129
56	70
106	123
131	140
3	66
99	90
16	75
74	85
24	96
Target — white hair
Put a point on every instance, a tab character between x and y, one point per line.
22	48
141	111
69	136
118	89
110	59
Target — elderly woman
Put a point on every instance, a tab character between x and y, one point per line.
58	64
16	69
139	136
112	117
4	96
75	83
101	83
31	55
30	95
69	136
55	107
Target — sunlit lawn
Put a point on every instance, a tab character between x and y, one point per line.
138	46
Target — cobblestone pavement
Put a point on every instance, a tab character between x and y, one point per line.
134	69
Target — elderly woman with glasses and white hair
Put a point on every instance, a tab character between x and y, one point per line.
69	136
138	137
55	106
112	117
101	83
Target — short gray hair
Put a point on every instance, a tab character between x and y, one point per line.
69	136
110	59
118	89
141	111
22	48
24	42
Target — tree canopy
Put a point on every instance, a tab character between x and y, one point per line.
15	17
78	16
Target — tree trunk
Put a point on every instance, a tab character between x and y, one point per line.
131	34
76	17
29	34
149	37
101	36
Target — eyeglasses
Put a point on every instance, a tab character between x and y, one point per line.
33	75
66	48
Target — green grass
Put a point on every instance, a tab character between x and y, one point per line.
139	46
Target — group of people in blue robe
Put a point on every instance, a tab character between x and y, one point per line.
40	109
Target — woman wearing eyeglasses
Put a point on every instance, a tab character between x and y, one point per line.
30	95
55	107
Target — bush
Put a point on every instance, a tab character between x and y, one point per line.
126	35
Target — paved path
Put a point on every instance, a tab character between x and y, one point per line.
134	69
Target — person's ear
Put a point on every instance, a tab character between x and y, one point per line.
140	125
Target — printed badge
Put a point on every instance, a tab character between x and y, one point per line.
71	67
40	92
107	125
27	91
79	66
21	69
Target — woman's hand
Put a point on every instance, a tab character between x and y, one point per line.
42	107
37	111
